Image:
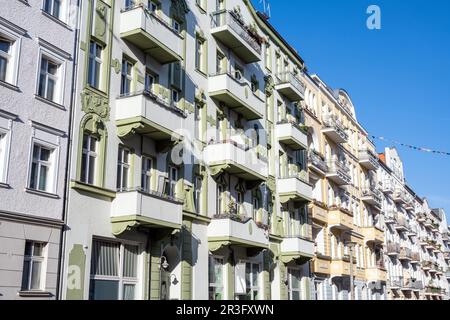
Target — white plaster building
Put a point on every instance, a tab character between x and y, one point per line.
36	68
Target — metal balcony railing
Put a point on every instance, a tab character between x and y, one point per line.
335	124
317	160
335	166
373	193
393	248
223	18
291	78
367	154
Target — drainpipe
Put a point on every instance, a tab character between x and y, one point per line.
61	261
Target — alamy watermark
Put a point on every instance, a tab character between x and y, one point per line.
374	19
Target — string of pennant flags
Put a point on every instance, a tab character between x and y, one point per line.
405	145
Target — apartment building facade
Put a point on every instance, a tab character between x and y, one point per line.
415	239
188	156
36	69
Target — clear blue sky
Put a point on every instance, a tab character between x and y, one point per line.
398	77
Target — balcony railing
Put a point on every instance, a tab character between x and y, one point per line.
405	254
231	20
368	159
372	196
335	129
338	172
315	160
290	85
393	248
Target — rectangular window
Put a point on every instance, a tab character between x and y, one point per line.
200	54
294	284
5	57
220	63
33	266
41	168
150	81
89	159
173	180
153	6
126	77
114	271
238	72
48	80
216	278
2	157
95	64
123	169
53	7
176	25
175	97
219	200
198	182
252	281
129	3
146	175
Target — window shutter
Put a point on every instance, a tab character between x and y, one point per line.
240	285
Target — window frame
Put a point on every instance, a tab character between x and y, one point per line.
123	185
30	259
12	33
97	62
299	290
120	278
57	79
61	12
88	152
4	153
173	182
216	285
198	190
147	173
126	77
50	164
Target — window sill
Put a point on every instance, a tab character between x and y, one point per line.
201	73
99	191
34	294
42	193
4	185
9	86
97	91
58	21
50	102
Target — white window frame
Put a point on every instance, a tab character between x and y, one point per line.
173	180
252	287
48	76
147	174
126	76
58	57
98	63
62	10
198	190
217	285
32	258
88	154
120	278
290	287
6	121
50	164
122	184
14	34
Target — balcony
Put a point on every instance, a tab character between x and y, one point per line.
317	163
377	273
400	196
402	224
293	248
228	229
292	135
147	114
447	274
294	188
321	265
339	267
235	159
405	254
390	217
237	95
368	160
151	33
393	249
150	210
289	85
388	187
415	257
340	218
334	130
427	265
228	28
372	196
409	205
373	234
318	212
338	173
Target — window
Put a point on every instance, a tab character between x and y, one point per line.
89	159
153	6
5	57
150	81
294	284
129	3
2	156
219	200
173	180
252	281
126	77
175	97
41	168
216	291
200	58
176	25
48	79
198	182
95	64
53	7
114	271
254	84
220	63
33	266
238	72
268	56
146	175
123	169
